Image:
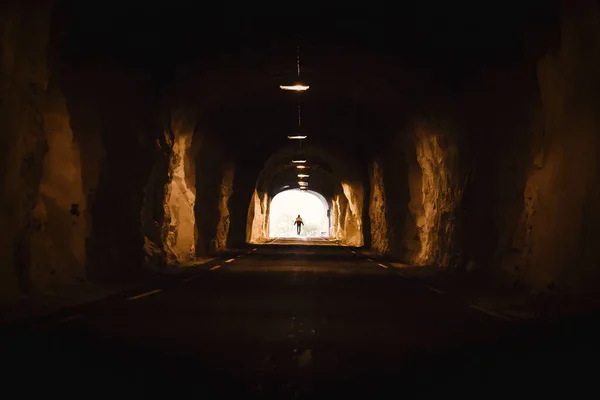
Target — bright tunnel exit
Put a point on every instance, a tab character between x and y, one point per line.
287	205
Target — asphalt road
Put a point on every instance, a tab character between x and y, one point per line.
293	322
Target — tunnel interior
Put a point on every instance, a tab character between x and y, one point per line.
306	204
136	140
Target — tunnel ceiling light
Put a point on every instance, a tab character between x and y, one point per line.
298	161
303	176
301	166
298	87
301	183
303	188
297	137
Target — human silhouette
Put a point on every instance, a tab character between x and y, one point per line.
298	224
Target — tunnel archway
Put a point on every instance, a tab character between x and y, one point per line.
330	173
311	205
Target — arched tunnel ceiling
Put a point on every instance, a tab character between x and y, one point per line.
352	93
367	68
326	169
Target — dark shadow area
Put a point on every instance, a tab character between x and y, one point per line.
219	337
142	146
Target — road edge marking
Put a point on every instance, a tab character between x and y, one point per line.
488	312
69	318
383	266
215	267
438	291
145	294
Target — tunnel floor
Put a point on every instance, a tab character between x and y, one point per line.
293	322
302	241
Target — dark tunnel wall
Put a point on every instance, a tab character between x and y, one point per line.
502	195
489	168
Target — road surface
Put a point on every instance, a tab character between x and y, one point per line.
291	321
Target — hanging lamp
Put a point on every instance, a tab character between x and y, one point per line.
298	86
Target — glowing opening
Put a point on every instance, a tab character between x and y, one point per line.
286	206
299	161
297	87
303	176
300	166
297	137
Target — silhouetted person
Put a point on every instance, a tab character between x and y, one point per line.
298	224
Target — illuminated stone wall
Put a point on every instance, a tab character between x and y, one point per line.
347	208
377	210
441	194
258	218
180	222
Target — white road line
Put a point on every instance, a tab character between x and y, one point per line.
215	267
368	259
191	278
438	291
383	266
230	260
488	312
353	252
139	296
400	273
254	249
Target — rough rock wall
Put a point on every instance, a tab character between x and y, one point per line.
532	202
211	163
121	107
257	230
24	36
423	181
226	191
155	191
179	238
58	254
401	181
530	207
563	191
377	210
411	235
244	185
442	188
500	155
347	218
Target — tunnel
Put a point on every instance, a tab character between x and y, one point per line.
451	140
309	204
